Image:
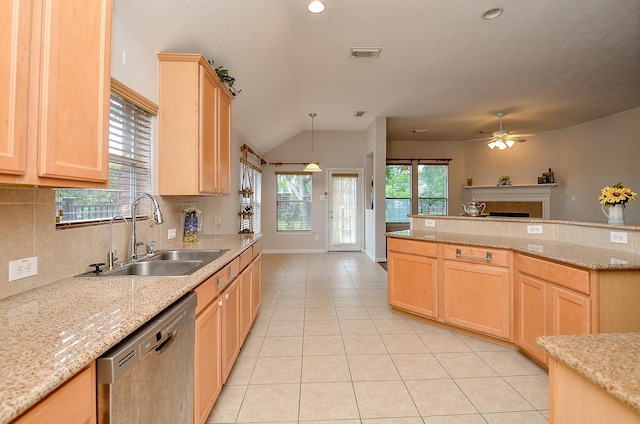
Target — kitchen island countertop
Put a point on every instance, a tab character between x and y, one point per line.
52	332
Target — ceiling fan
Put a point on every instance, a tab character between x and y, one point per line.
502	138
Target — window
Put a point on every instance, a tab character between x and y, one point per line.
293	201
398	193
415	187
130	137
254	176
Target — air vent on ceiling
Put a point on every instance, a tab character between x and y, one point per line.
359	113
365	52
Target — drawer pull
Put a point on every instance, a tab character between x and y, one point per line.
230	279
487	258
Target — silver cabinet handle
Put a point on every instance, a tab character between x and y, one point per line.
487	258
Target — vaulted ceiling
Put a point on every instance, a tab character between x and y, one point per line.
547	64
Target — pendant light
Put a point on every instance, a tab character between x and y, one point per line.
312	167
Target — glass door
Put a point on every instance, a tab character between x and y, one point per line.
345	210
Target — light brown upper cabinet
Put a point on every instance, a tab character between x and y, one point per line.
55	61
194	137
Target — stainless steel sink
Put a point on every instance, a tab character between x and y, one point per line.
164	263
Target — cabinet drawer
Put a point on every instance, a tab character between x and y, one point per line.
476	255
245	258
257	248
414	247
207	291
227	274
562	275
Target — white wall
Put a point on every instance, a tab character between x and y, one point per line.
332	149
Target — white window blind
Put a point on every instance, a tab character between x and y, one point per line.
130	135
293	202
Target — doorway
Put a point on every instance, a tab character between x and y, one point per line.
345	210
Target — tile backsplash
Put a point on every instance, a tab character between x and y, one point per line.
27	228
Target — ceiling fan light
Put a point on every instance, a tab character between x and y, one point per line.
501	145
492	145
510	143
312	167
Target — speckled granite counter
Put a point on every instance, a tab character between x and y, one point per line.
50	333
572	254
610	361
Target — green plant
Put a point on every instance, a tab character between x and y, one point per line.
224	76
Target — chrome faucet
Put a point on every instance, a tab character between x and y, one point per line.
113	255
157	218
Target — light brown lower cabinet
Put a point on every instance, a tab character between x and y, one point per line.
246	296
574	399
207	378
72	403
256	286
230	327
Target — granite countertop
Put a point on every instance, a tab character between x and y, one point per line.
572	254
51	332
610	361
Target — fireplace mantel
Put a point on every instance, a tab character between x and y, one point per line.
515	193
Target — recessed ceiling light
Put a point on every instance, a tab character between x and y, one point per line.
372	52
492	13
316	7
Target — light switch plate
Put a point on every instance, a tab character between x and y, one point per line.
171	234
429	223
534	229
618	237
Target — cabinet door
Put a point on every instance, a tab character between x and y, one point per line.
207	378
207	118
570	312
413	283
223	164
15	27
246	310
531	316
75	87
477	297
72	403
256	289
230	328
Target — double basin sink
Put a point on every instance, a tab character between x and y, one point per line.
164	263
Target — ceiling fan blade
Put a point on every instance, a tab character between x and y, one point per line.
480	139
523	135
517	139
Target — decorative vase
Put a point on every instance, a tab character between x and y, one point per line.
190	229
616	213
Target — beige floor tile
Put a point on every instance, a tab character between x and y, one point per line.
258	329
352	313
479	345
324	369
376	302
270	403
290	303
372	292
357	326
384	399
241	371
251	347
423	327
364	344
439	397
277	370
345	293
382	313
444	342
348	302
323	345
327	401
534	388
312	314
281	346
462	365
529	417
294	292
511	362
456	419
285	328
282	314
493	394
393	326
326	293
319	302
372	367
226	408
395	420
404	343
413	366
328	327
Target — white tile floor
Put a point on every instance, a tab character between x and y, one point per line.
325	348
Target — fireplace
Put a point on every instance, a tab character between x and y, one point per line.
515	200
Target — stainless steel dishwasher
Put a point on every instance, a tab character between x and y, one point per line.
148	377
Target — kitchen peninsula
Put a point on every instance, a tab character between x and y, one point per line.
75	320
513	280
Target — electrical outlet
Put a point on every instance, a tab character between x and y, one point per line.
618	237
23	268
316	237
534	229
218	221
171	234
429	223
